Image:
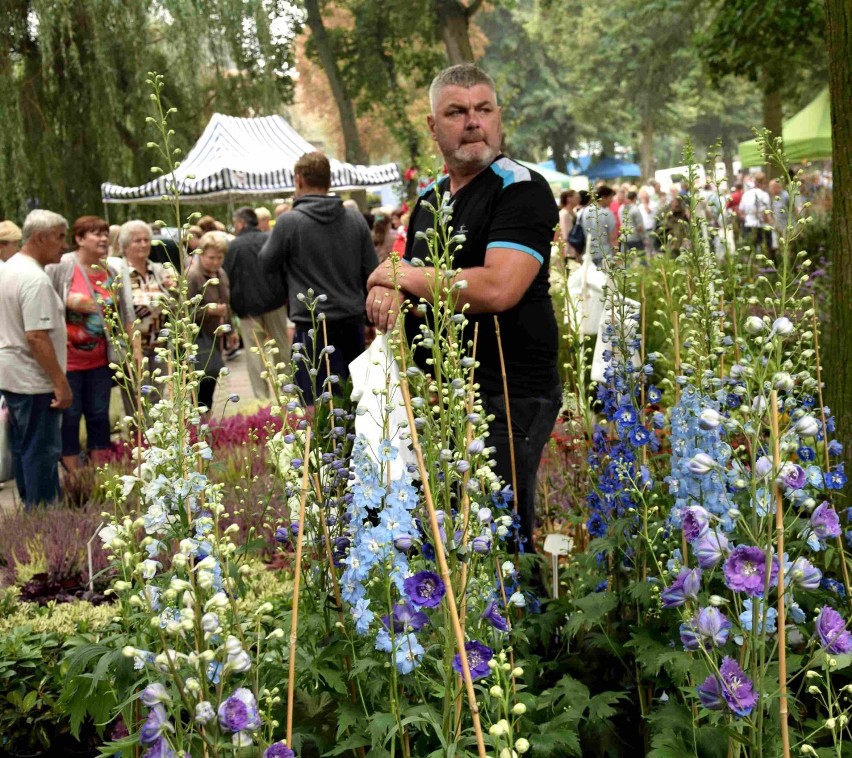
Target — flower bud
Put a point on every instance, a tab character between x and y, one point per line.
522	745
754	325
782	326
496	691
806	426
710	419
783	382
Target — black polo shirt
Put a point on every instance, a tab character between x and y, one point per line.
507	206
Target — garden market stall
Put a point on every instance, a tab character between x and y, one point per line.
245	157
807	135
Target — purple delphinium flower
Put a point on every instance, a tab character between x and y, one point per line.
745	570
685	586
278	750
478	656
481	544
737	688
492	615
710	693
239	712
832	631
406	618
804	574
159	748
153	694
694	522
154	726
701	463
710	548
792	476
425	588
825	522
708	628
762	467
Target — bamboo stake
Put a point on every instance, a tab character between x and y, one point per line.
841	550
294	624
444	569
782	618
676	331
511	433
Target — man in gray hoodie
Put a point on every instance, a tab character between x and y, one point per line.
321	245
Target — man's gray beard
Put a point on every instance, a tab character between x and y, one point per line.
473	166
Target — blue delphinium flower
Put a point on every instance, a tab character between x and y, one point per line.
691	484
408	653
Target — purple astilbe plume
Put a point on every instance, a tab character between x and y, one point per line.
478	656
492	615
825	522
239	712
804	575
832	631
708	629
710	549
155	725
745	570
695	522
425	588
684	587
710	694
737	688
278	750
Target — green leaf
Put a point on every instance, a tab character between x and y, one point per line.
349	744
382	726
347	715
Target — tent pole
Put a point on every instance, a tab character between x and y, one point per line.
106	212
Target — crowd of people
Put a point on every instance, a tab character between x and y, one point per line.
72	321
647	220
61	312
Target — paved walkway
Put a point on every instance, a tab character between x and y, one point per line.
236	383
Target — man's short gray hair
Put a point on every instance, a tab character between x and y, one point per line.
128	229
465	75
40	221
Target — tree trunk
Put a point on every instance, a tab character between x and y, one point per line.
773	113
646	150
838	353
325	52
453	22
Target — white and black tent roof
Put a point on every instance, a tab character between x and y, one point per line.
246	157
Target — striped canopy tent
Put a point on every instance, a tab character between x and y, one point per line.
246	157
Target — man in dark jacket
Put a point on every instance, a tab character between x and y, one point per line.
256	299
322	246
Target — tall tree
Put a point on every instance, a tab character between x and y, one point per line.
765	42
838	356
75	99
324	47
453	20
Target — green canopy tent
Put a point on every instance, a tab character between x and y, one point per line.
807	135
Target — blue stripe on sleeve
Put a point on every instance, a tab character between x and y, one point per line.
516	246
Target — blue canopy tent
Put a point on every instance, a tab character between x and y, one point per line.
613	168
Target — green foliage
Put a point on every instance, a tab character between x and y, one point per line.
56	150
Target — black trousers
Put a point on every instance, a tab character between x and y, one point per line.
533	419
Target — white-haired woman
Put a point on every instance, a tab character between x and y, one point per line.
149	286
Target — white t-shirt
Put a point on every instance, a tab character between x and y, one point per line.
753	205
28	303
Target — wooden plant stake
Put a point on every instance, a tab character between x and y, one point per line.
465	498
297	575
779	536
509	426
444	569
676	331
328	370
